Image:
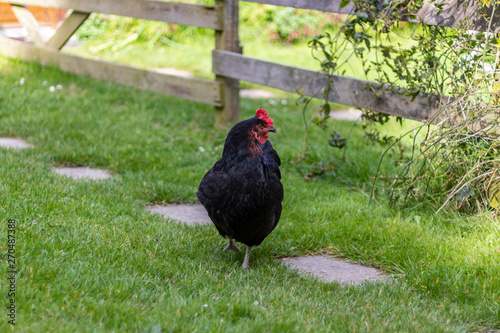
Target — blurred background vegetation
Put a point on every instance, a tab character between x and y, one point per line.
264	31
273	33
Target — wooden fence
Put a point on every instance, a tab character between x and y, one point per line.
229	64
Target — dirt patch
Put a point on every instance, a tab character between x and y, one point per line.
83	173
189	214
12	143
332	269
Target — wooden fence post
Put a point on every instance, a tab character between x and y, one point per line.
227	39
67	29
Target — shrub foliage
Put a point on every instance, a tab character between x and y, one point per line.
453	159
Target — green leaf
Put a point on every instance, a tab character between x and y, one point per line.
367	43
344	3
326	108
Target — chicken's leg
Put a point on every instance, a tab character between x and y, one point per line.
247	258
231	246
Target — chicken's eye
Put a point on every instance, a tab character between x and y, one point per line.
261	126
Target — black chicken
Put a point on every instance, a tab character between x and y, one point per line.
242	193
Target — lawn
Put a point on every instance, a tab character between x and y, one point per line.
90	258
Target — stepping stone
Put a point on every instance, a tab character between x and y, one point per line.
330	269
257	93
86	173
17	33
173	71
14	143
351	114
189	214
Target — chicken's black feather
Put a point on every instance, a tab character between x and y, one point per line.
242	193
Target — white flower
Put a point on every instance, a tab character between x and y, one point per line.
52	89
284	102
272	102
205	305
21	82
59	86
201	149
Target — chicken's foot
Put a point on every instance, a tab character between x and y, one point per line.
231	246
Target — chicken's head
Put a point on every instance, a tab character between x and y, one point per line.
260	130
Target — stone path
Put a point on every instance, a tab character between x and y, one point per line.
173	71
189	214
257	93
75	173
12	143
351	114
330	269
83	173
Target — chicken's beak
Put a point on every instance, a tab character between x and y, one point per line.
272	129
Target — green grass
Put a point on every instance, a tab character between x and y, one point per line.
90	258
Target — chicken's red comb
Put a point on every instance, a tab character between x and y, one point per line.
263	115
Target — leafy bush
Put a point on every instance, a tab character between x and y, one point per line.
112	26
273	23
284	24
289	24
454	159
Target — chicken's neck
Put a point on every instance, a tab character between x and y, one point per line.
249	148
241	141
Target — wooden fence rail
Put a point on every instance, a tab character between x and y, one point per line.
204	91
229	64
345	90
171	12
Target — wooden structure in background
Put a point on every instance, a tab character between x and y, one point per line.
44	16
229	64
